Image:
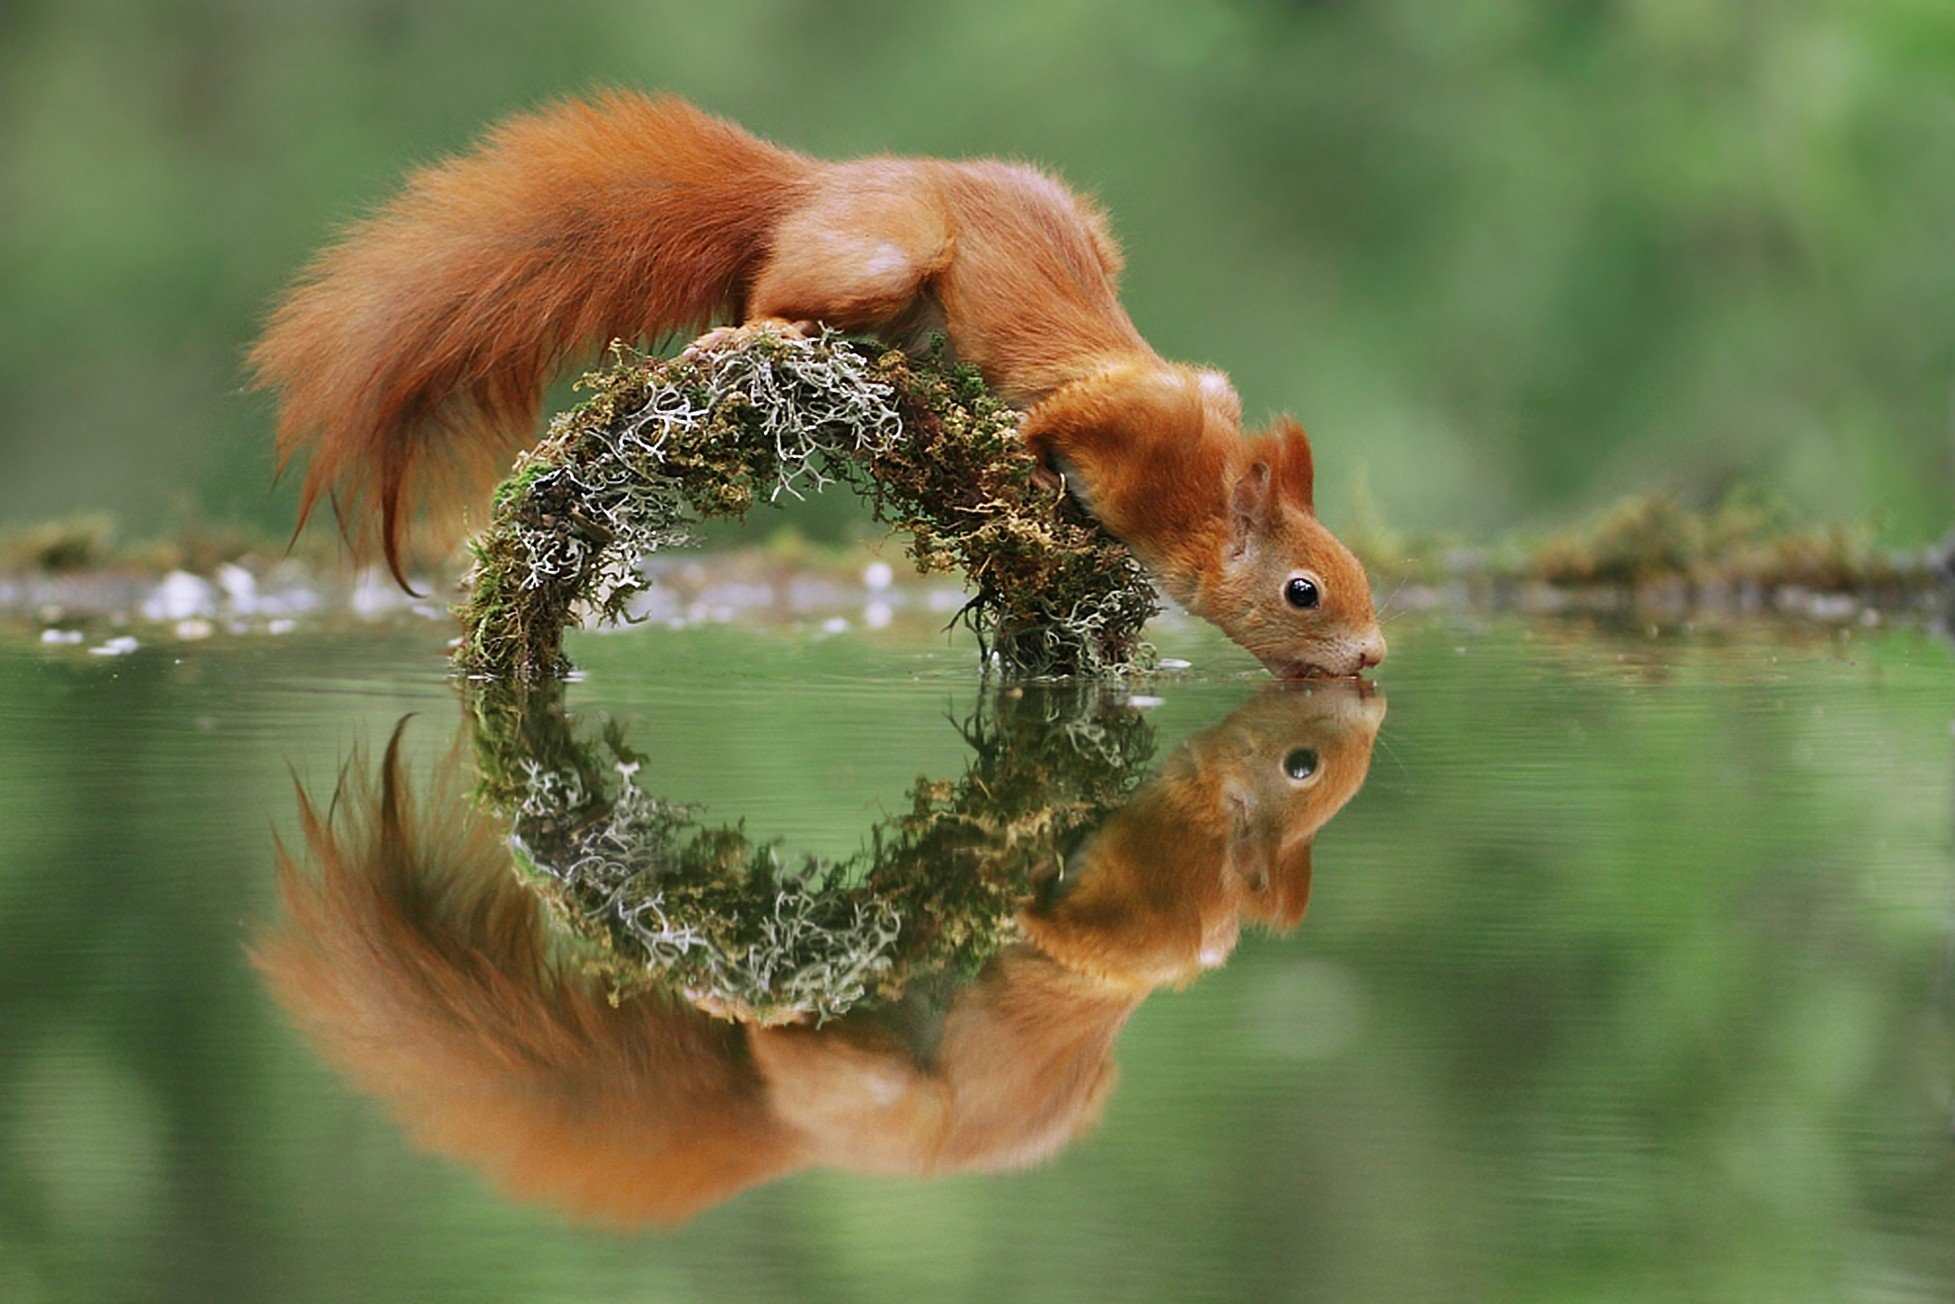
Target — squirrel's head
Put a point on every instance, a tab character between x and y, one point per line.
1228	524
1282	585
1223	834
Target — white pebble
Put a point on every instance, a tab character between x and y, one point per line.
1142	701
876	615
120	646
192	630
1175	663
180	596
240	585
878	575
62	637
375	594
834	625
1832	606
285	626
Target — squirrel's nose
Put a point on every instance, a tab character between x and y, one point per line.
1371	652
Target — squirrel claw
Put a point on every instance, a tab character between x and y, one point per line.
721	337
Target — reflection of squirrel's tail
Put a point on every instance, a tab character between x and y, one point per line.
424	337
413	960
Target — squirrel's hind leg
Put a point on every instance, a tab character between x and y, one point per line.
858	256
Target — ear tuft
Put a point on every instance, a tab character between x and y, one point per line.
1296	468
1249	500
1282	905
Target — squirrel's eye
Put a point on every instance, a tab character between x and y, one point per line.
1301	593
1301	763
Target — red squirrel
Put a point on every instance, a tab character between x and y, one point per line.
423	338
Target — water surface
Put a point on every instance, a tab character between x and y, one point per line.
1625	974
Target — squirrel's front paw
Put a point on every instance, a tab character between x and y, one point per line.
724	337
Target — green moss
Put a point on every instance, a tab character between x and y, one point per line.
73	543
661	443
93	543
1646	539
651	894
1742	541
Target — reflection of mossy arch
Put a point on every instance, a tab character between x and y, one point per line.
661	442
744	928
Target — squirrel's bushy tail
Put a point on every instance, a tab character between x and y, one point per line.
418	345
417	963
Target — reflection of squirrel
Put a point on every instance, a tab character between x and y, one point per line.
417	964
427	333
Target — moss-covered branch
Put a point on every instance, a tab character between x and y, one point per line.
660	443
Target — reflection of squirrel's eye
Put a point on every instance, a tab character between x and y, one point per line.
1300	593
1301	763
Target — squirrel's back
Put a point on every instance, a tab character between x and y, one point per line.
421	341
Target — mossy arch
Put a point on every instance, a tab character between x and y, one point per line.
659	443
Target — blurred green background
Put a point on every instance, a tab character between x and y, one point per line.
1506	259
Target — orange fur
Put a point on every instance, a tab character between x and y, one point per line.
416	963
423	338
1222	834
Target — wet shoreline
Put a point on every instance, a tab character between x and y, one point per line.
254	598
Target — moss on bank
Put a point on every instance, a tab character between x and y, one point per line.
660	443
1742	544
93	543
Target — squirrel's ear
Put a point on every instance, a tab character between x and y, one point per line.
1249	499
1281	904
1297	470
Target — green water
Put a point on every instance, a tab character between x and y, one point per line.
1626	976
